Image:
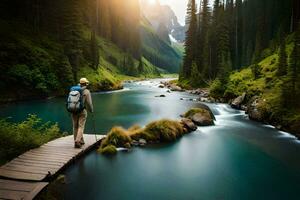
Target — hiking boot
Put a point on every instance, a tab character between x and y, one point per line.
77	145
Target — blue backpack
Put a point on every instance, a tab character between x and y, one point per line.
75	100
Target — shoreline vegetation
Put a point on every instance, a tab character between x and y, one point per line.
260	103
161	131
104	86
17	138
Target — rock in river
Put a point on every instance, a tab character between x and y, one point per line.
161	95
253	111
237	103
189	124
201	116
202	120
142	142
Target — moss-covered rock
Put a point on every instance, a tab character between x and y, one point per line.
117	137
156	132
200	116
108	150
189	124
163	130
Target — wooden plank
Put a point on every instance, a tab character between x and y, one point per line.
20	189
36	190
16	186
57	161
21	175
50	156
29	169
51	151
33	163
53	158
33	166
7	194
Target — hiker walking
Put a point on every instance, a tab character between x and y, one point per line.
79	101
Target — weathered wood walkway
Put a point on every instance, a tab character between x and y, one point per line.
28	171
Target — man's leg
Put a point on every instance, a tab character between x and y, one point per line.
75	125
81	125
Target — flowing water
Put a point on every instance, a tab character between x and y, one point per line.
236	159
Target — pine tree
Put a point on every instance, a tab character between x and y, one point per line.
195	75
213	40
190	47
141	66
203	51
291	87
238	33
94	50
224	53
73	36
104	19
282	62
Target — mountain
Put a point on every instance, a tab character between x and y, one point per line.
162	15
157	50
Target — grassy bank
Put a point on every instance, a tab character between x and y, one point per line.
259	82
262	82
17	138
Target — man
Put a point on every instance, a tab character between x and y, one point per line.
79	119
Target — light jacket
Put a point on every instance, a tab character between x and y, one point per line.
87	99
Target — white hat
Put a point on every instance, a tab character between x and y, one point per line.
84	81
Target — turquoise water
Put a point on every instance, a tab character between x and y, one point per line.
236	159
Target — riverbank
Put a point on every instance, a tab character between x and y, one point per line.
263	108
102	86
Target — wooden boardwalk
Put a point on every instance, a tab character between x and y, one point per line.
28	171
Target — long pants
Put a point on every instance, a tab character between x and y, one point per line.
78	125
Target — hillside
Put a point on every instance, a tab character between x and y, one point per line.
36	67
158	51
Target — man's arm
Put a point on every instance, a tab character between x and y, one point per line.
89	101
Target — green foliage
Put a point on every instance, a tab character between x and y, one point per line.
141	67
195	75
282	63
255	71
17	138
216	89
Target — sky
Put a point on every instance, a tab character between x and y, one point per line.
179	7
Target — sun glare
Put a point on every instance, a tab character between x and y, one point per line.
151	1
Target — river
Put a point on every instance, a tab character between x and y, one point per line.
236	159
